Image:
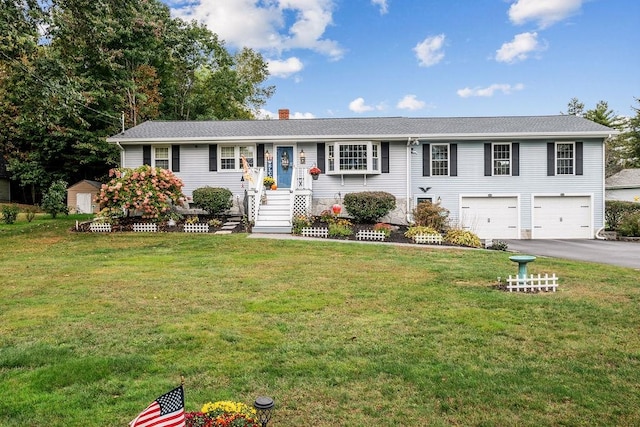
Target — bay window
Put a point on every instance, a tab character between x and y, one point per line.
358	157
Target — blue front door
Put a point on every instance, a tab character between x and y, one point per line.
284	166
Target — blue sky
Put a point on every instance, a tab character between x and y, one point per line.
362	58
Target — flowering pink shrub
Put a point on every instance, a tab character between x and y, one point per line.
149	190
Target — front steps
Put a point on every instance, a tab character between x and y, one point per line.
275	215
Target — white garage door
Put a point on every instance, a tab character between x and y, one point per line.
490	217
562	217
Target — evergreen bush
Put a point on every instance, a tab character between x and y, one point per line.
630	225
215	201
369	206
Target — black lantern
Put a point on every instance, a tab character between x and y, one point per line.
284	160
263	405
303	157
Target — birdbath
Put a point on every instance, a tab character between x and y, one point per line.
522	261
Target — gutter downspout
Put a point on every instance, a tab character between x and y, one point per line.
409	217
122	153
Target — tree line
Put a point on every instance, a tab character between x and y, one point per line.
73	72
623	150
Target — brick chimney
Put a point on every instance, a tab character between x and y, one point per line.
283	114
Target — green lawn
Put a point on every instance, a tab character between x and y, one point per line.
93	327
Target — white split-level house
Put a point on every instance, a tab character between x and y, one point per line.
538	177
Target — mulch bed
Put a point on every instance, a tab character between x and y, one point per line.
126	225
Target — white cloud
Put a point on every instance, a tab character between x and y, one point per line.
429	51
489	91
358	106
519	48
382	4
269	115
544	12
263	25
298	115
285	68
410	102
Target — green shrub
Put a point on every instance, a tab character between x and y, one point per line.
499	245
53	201
327	216
30	213
10	213
216	201
420	229
462	238
298	222
369	206
630	225
433	215
340	228
616	210
384	227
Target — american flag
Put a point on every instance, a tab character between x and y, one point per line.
165	411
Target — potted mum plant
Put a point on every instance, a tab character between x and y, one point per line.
315	171
268	182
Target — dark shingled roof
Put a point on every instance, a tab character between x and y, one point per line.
380	127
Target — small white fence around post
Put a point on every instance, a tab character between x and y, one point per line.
532	283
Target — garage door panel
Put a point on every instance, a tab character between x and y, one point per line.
490	217
562	217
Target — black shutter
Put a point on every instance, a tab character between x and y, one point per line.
146	155
515	159
487	159
579	155
213	157
453	159
426	160
260	156
320	156
384	147
175	158
551	159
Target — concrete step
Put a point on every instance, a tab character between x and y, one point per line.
272	218
271	229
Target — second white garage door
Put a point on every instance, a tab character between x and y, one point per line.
562	217
490	217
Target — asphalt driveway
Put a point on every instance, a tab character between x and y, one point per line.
623	254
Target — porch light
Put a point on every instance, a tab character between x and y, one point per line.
284	160
303	157
263	405
268	156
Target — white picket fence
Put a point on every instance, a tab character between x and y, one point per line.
196	228
314	232
96	227
145	227
532	284
431	239
371	235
